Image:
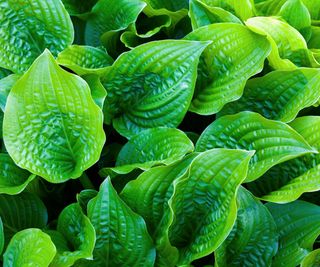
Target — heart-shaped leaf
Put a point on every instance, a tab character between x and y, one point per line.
298	225
77	231
84	59
51	125
30	247
279	95
273	141
222	72
13	180
151	147
143	94
121	233
253	240
288	181
30	27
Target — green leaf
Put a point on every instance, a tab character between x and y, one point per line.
287	43
81	9
279	95
314	8
298	16
28	28
298	226
312	259
1	237
286	182
77	230
171	5
202	15
269	7
84	59
13	180
21	211
84	197
5	86
149	193
121	13
314	39
203	206
223	72
273	141
151	147
143	94
4	73
51	125
30	247
98	92
121	233
244	9
253	240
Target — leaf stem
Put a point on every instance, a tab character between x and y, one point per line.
85	181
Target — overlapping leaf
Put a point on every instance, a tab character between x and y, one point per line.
298	225
222	72
203	207
101	24
151	147
279	95
152	85
287	181
121	233
76	230
84	59
12	178
253	240
273	141
312	259
30	247
51	125
5	86
20	212
202	15
28	28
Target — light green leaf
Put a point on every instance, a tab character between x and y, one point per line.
98	92
143	94
51	125
30	247
84	59
203	206
151	147
5	86
148	196
244	9
286	182
121	13
222	72
121	233
273	141
21	211
279	95
77	230
298	226
28	28
253	240
314	8
312	259
224	4
13	180
287	43
1	237
202	15
315	37
298	16
269	7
